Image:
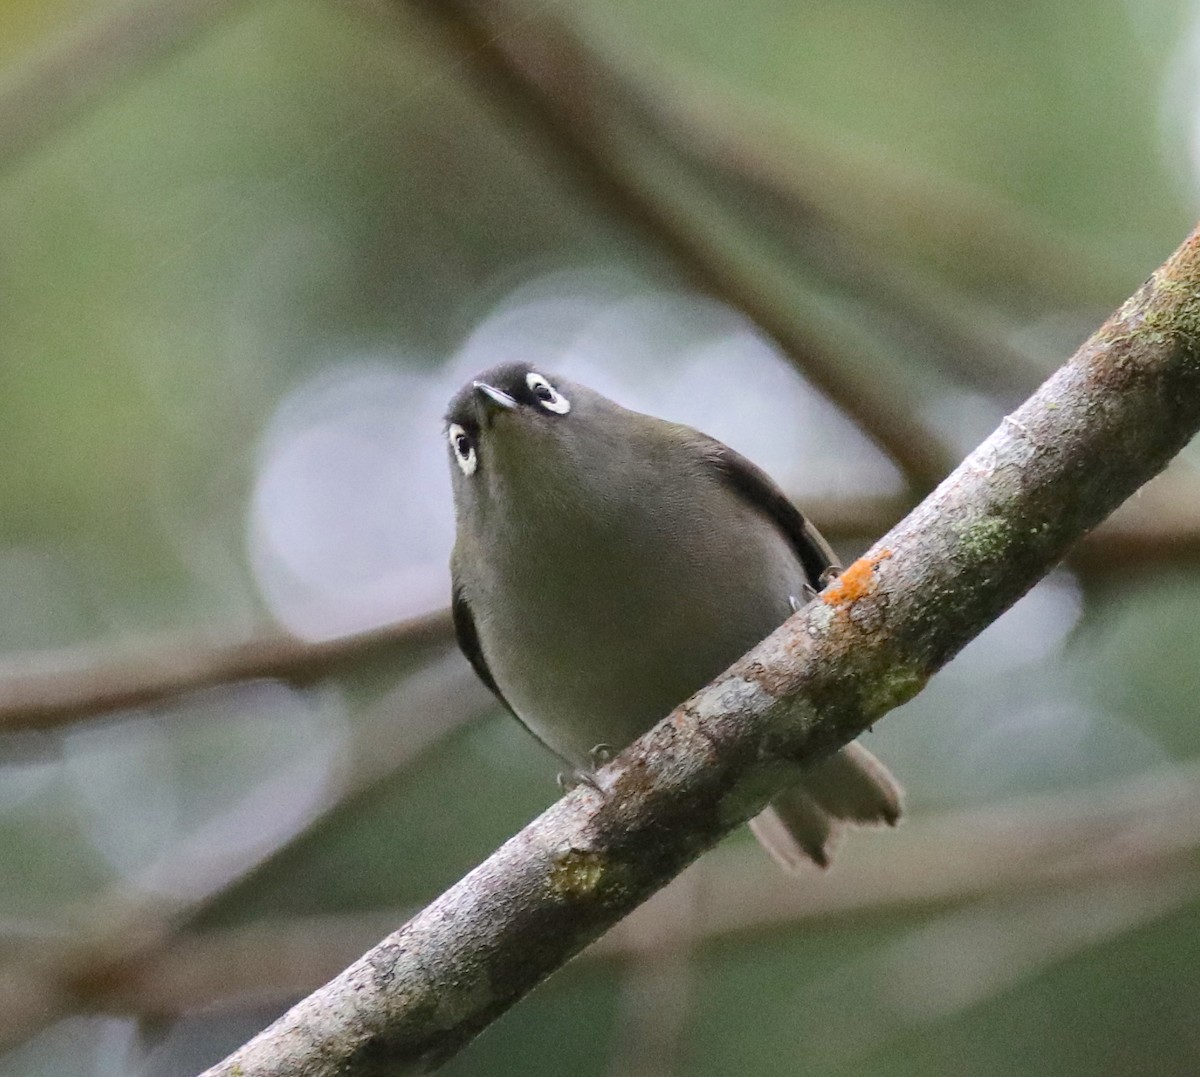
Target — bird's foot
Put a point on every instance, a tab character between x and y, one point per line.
571	779
810	592
598	756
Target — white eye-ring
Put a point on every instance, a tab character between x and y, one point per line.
463	448
549	397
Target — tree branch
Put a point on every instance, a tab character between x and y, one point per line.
1104	424
44	691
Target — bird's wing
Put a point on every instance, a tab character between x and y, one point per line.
757	488
468	642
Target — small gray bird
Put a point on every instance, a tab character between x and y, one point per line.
609	564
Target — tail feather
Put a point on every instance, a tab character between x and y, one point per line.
794	830
804	821
853	785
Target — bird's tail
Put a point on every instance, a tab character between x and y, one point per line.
850	787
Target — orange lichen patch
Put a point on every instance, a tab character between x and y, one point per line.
856	582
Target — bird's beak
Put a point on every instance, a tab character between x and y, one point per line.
494	400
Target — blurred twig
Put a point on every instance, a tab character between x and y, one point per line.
1133	834
392	732
47	690
839	207
1103	425
860	190
41	691
85	61
1161	525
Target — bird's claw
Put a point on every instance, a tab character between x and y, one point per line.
831	573
598	756
572	779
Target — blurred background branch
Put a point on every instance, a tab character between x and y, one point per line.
42	691
76	70
554	84
47	690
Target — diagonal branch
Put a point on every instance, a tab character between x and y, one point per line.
542	73
1104	424
841	209
871	197
86	61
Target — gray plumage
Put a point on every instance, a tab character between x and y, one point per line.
608	564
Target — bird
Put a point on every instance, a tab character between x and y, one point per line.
608	564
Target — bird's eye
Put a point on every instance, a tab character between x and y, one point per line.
549	397
463	448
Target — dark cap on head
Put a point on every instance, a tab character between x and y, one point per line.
472	402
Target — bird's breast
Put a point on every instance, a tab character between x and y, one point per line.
593	637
